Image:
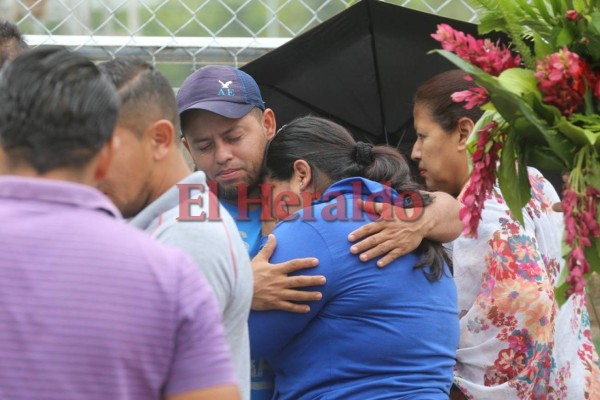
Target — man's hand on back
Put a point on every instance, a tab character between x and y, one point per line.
275	290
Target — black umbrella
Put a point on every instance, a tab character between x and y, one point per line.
359	68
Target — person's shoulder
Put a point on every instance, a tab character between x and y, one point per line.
214	245
540	185
318	223
133	243
217	227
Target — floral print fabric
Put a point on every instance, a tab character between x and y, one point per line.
515	341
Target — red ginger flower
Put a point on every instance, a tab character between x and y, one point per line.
580	212
474	97
578	267
562	79
482	178
595	84
490	57
572	15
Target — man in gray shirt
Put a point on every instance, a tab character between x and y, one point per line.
151	183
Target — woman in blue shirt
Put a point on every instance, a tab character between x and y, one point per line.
377	333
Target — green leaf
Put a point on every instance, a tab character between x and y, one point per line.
593	47
489	17
526	7
560	145
575	133
561	286
542	8
591	121
490	24
589	124
528	132
517	18
592	255
558	7
519	81
513	178
565	37
588	100
538	127
524	187
489	106
516	111
560	292
544	157
516	30
594	178
595	21
548	113
541	47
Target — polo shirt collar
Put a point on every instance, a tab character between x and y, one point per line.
167	201
55	191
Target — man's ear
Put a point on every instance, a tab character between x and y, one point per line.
186	144
465	127
105	157
162	136
269	123
303	173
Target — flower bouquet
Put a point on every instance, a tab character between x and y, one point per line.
541	99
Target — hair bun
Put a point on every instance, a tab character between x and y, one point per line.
363	153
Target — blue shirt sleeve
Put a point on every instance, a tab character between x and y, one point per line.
270	331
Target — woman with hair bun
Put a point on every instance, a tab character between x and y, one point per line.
376	333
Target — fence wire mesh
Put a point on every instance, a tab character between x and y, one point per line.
182	35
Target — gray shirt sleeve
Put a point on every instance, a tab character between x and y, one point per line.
201	358
221	256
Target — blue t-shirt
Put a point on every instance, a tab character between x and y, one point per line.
250	227
378	333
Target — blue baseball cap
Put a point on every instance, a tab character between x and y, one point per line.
221	89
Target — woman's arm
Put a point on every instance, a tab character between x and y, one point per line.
403	229
270	331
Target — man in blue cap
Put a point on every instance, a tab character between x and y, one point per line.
226	128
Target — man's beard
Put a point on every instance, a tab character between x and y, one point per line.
230	193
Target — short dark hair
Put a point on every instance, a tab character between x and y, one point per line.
333	155
143	90
56	109
12	42
435	95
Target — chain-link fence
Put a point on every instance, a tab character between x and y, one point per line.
181	35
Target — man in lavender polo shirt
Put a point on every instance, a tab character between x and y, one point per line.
90	308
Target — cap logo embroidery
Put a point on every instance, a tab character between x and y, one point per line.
225	90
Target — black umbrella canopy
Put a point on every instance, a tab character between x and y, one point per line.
359	68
